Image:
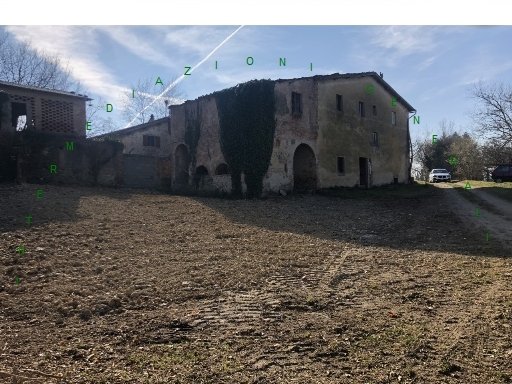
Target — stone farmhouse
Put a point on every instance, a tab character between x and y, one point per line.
339	130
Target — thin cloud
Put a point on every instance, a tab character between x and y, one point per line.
199	40
137	44
77	46
403	41
192	69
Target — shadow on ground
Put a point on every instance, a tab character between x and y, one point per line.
22	203
401	217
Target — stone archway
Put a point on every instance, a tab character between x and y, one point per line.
222	169
200	177
304	169
181	165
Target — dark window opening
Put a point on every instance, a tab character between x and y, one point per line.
339	103
393	117
375	138
151	141
361	109
341	165
19	116
374	110
222	169
296	103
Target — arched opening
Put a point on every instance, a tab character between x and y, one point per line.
222	169
304	168
181	164
200	176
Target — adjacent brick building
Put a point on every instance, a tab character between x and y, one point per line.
43	110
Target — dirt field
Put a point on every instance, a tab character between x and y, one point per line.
385	286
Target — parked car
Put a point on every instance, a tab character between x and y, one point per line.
502	172
439	174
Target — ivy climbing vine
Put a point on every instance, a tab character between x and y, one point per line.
247	125
192	132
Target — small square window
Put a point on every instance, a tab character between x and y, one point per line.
296	103
339	103
393	118
341	165
374	110
151	141
361	109
375	139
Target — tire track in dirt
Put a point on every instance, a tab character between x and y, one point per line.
264	305
472	325
499	226
239	312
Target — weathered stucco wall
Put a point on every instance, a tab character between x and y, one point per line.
346	134
291	131
208	153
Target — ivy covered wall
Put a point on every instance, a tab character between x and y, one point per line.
247	125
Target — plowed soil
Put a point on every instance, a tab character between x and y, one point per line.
124	286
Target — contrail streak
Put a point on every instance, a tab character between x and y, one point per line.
179	79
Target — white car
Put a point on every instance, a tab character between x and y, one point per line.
439	174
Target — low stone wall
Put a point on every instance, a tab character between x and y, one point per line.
55	158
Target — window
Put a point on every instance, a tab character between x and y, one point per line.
393	118
361	109
375	138
339	103
374	110
341	165
151	141
296	103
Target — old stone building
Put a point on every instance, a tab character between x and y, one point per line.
43	110
146	153
328	131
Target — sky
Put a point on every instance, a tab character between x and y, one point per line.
434	68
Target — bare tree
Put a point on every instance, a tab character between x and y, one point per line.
493	117
136	102
495	153
100	123
467	159
21	64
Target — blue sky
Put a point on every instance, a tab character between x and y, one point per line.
432	67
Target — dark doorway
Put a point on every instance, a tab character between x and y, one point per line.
181	165
363	171
19	116
200	176
304	169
